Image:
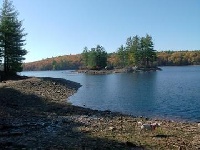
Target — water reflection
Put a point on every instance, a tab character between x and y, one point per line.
129	93
173	92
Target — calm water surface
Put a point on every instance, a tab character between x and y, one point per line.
173	93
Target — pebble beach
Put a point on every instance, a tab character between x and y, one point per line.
35	114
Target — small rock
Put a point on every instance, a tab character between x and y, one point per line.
112	128
198	125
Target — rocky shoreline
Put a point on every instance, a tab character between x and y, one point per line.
122	70
34	114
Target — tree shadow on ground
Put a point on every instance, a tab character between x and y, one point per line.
30	121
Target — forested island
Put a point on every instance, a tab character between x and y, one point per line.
137	52
71	62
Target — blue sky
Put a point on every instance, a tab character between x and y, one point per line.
62	27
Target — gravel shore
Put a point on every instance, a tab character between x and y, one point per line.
34	114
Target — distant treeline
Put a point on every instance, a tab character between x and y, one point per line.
67	62
178	58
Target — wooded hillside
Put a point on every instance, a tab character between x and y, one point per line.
178	58
66	62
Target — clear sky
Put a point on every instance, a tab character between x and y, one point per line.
62	27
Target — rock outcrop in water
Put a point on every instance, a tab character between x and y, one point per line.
122	70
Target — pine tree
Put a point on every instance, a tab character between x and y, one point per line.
11	39
122	55
136	48
101	57
134	51
129	51
139	51
85	55
147	51
96	58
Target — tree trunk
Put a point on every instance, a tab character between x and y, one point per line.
5	65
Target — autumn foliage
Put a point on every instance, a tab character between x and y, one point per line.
178	58
67	62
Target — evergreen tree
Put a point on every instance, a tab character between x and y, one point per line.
136	49
85	56
101	57
129	51
133	50
92	63
137	52
122	55
96	58
11	38
148	54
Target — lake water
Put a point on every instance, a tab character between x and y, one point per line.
173	93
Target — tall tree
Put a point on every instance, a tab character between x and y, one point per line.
137	52
96	58
129	52
11	38
148	54
92	63
122	55
134	51
137	49
101	57
85	56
